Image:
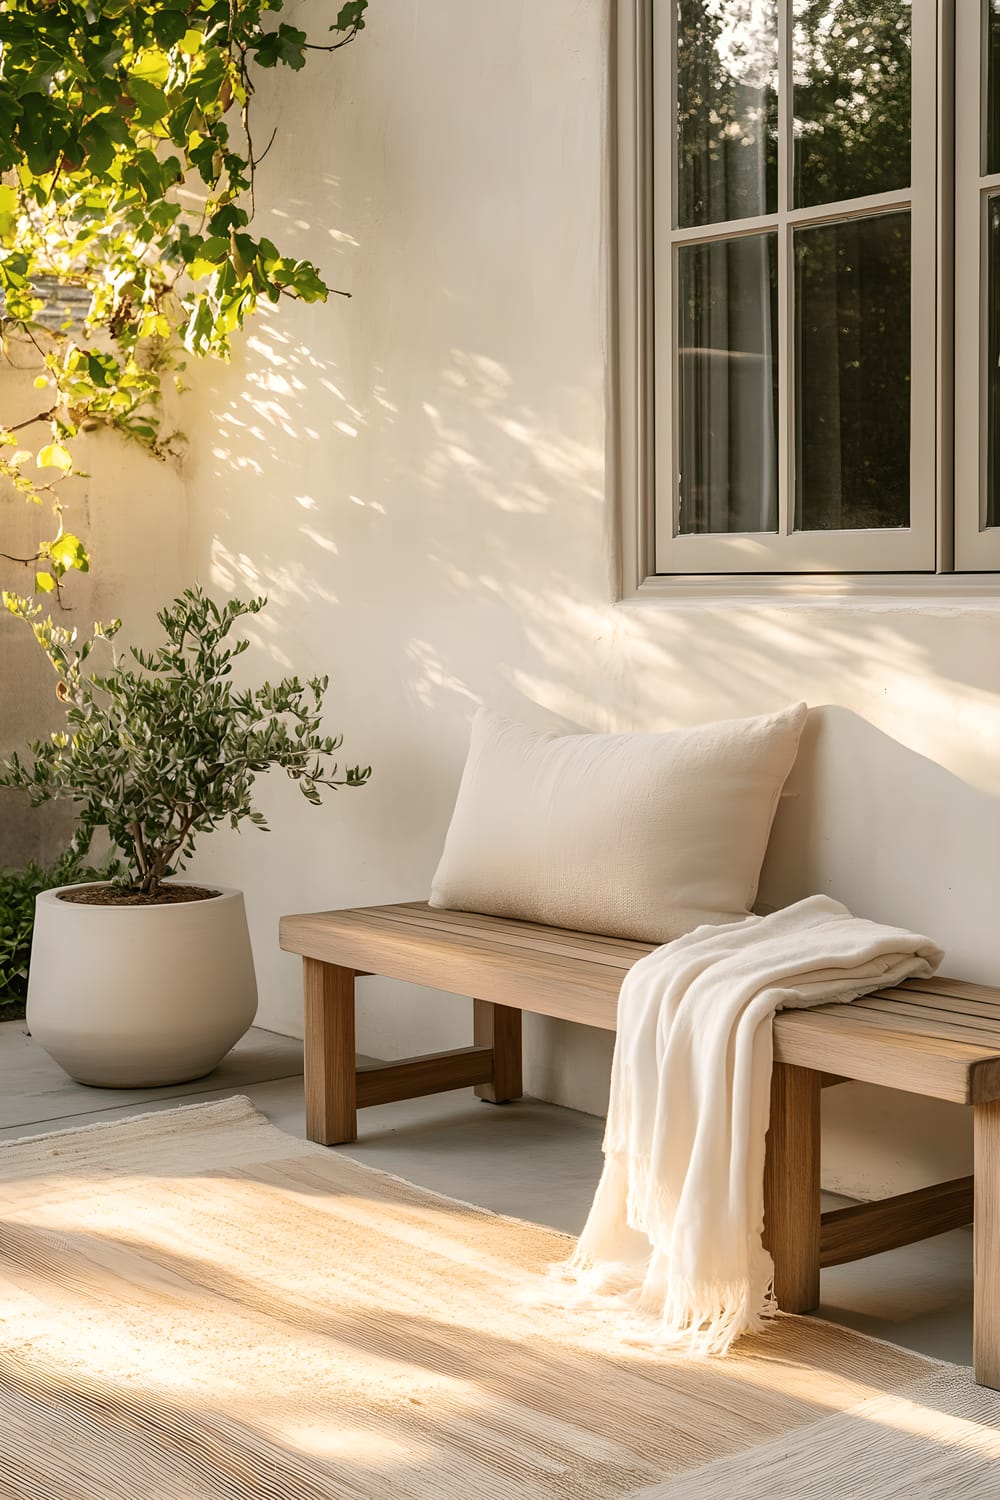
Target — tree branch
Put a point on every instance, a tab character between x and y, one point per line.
332	46
258	159
42	416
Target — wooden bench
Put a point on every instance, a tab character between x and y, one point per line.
937	1037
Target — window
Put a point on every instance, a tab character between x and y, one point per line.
792	288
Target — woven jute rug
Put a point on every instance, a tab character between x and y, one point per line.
197	1305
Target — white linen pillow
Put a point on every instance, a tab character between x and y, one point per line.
635	835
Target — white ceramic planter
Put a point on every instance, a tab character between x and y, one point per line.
138	996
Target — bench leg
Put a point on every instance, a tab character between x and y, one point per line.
499	1027
330	1057
986	1246
791	1187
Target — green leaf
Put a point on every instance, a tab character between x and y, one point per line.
44	583
307	284
8	211
153	66
69	552
10	113
103	370
285	45
350	17
226	218
170	26
41	134
152	101
97	141
54	456
192	41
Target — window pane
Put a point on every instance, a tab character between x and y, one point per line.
851	69
993	394
727	371
727	112
992	85
852	346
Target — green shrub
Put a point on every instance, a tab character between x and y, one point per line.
18	889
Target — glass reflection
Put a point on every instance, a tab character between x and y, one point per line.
851	98
728	385
993	355
992	8
852	352
727	110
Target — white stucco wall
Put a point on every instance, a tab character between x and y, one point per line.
416	477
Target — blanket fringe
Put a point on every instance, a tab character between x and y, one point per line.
655	1309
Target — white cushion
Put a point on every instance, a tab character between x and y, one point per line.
635	835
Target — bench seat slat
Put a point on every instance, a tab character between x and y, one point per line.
869	1025
941	1022
509	930
569	965
958	989
945	1006
860	1014
423	911
594	952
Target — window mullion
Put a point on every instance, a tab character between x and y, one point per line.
977	543
852	208
730	229
785	163
945	329
786	310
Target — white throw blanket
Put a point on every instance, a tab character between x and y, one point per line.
674	1233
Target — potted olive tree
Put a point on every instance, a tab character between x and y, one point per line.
148	979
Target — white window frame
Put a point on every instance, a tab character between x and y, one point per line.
642	329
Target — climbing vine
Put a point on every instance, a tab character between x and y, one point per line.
128	158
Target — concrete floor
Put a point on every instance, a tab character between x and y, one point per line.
532	1160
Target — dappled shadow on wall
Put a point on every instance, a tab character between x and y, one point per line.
444	515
